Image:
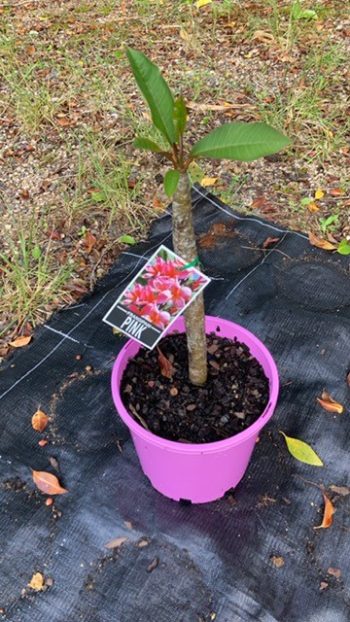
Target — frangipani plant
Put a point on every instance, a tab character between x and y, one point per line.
233	141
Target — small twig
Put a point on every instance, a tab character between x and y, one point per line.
138	417
307	481
266	250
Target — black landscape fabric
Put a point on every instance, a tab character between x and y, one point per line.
253	555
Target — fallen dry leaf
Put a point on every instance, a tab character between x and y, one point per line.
343	491
323	585
319	194
43	442
327	514
39	421
143	542
166	368
313	207
348	379
49	501
336	192
89	241
263	37
334	572
116	543
208	181
37	582
153	564
63	121
22	341
277	561
320	243
329	404
270	241
48	483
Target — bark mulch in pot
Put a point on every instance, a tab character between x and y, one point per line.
234	397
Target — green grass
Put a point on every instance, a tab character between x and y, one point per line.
30	280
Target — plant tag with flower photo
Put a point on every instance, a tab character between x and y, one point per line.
165	286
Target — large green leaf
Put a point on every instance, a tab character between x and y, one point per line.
146	143
155	91
171	179
180	116
240	141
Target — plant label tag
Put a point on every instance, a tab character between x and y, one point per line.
163	288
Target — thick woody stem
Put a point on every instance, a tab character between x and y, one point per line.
185	246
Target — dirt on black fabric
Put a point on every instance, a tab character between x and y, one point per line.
233	397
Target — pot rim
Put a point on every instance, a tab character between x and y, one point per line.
198	448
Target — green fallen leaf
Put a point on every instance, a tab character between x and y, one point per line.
98	197
36	253
344	247
302	451
127	239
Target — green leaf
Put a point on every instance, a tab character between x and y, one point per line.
98	197
299	13
326	222
240	141
180	117
306	201
302	451
127	239
171	179
146	143
155	91
36	253
344	247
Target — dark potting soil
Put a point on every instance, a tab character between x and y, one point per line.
233	397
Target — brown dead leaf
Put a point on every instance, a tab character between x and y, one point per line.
329	510
49	501
336	192
153	564
143	542
323	585
39	421
343	491
63	121
329	404
270	242
37	582
320	243
89	241
348	379
313	207
277	561
43	442
116	543
263	37
334	572
166	368
48	483
261	203
22	341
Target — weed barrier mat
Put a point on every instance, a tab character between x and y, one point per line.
252	556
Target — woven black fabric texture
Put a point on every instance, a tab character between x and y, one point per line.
215	560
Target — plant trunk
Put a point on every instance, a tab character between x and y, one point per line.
185	245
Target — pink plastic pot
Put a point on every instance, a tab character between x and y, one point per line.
203	472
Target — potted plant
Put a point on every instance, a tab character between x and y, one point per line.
188	467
